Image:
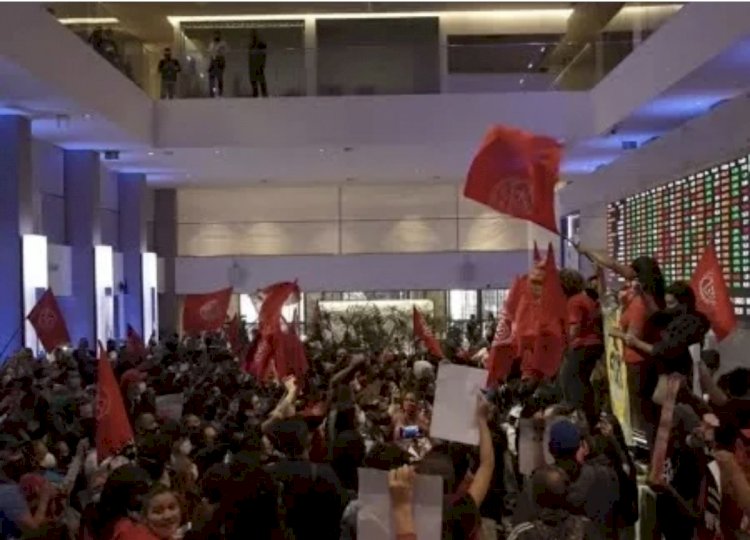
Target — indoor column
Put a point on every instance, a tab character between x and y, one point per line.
165	244
82	196
132	226
16	219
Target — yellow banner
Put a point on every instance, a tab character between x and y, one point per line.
617	375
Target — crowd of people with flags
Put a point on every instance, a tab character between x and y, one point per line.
601	415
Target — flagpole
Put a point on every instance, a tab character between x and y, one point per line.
7	343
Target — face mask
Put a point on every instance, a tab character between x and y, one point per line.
49	462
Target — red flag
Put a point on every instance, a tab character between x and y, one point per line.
712	294
205	312
48	322
274	297
134	343
537	255
113	431
549	341
233	333
258	359
504	348
423	332
515	173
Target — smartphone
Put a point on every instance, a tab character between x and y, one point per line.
410	432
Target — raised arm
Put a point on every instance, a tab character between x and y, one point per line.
604	260
480	485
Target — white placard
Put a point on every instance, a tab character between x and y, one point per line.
454	415
374	519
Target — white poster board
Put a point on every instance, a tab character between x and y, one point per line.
454	415
374	519
169	406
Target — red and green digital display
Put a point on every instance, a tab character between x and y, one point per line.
675	221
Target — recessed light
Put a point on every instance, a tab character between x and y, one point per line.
87	116
150	153
322	150
543	48
217	152
531	65
522	81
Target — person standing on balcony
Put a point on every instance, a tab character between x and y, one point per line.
257	65
168	69
217	51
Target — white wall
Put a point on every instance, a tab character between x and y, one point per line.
48	190
340	220
696	34
357	120
32	39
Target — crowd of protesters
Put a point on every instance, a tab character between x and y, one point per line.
246	455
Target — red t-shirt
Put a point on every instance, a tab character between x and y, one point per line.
585	312
633	320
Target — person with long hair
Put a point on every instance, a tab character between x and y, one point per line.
643	298
115	517
162	512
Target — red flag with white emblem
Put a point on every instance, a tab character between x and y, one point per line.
423	332
504	348
113	431
712	294
205	312
515	173
48	322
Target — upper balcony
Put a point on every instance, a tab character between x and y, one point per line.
374	53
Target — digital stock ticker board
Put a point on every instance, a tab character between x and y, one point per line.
674	223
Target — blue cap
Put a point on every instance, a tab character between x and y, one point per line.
564	438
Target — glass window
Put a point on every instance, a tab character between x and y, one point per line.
462	304
492	301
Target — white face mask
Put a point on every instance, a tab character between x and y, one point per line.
49	462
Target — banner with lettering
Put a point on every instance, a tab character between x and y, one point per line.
617	375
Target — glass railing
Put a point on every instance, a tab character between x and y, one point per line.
97	26
357	71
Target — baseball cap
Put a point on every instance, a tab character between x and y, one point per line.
564	438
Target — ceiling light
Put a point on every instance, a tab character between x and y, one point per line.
562	14
89	20
322	150
531	65
150	153
543	48
522	81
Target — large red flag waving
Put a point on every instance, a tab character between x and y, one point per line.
48	322
515	173
205	312
274	297
113	431
423	332
712	294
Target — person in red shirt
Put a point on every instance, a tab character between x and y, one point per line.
585	344
644	299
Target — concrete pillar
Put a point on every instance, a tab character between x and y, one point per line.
16	219
593	233
132	229
443	56
82	201
311	57
165	243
